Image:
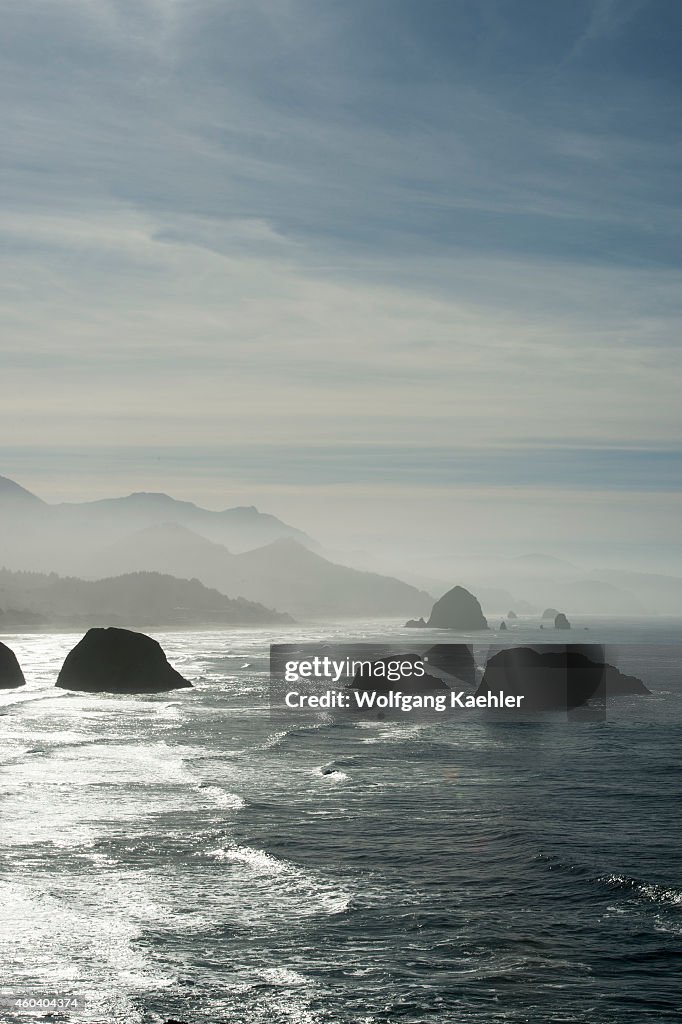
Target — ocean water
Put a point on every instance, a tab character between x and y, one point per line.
186	856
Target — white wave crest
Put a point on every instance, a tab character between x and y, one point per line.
302	892
223	798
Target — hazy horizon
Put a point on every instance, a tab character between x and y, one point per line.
231	551
386	537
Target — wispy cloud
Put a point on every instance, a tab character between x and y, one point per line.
403	223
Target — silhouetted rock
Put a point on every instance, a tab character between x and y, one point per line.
562	678
561	622
118	661
455	659
11	675
550	613
512	615
415	624
616	684
503	625
547	680
458	609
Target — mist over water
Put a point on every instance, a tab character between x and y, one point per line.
194	856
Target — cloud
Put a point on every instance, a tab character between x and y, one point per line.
407	223
606	18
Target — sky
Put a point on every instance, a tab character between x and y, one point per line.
403	272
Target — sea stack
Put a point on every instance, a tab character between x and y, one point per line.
118	661
11	675
561	678
550	613
458	609
561	622
547	680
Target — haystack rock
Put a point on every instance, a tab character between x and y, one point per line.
118	661
512	615
458	609
11	675
561	622
550	613
503	625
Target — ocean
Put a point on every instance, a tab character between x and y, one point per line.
195	856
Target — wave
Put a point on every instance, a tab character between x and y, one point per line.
653	892
274	740
283	976
223	798
397	732
307	893
15	698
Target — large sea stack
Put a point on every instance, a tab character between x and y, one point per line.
562	678
118	661
11	675
458	609
547	680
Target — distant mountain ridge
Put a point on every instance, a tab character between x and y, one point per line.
132	599
13	492
41	536
143	508
283	573
239	551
